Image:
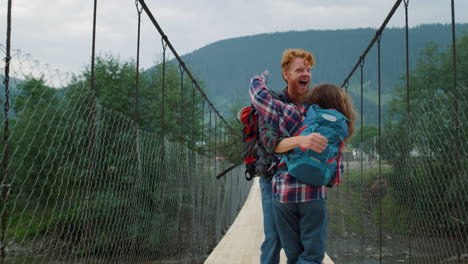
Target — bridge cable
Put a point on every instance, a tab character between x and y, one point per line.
181	62
346	220
163	123
407	58
209	130
215	150
135	133
408	111
361	65
379	150
90	138
346	84
202	142
456	133
181	69
193	116
378	33
5	186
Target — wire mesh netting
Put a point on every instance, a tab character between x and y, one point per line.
86	183
403	198
99	169
416	207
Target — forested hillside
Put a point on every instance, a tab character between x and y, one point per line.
226	66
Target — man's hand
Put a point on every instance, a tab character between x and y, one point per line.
314	141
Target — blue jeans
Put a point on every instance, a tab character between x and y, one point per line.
303	229
271	246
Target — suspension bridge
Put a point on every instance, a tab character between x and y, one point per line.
119	165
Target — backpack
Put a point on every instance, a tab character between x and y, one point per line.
253	154
308	166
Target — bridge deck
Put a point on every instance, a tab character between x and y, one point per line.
241	244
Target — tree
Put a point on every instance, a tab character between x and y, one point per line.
422	146
432	76
369	133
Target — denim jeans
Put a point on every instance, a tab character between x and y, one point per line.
271	246
302	228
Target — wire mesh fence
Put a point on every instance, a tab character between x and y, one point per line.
89	185
404	196
126	172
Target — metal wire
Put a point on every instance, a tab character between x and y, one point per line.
5	186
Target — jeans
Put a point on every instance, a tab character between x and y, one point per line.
302	228
271	246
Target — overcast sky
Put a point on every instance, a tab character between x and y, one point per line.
58	32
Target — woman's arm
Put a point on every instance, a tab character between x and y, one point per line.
313	141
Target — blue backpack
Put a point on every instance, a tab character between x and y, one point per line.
310	167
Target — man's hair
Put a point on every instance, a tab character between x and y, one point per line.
290	54
330	96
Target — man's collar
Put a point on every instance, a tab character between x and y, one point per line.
286	94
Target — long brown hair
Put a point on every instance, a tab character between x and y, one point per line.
330	96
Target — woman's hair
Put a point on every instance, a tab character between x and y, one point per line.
330	96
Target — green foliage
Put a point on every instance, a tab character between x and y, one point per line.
38	116
432	76
81	167
427	153
368	133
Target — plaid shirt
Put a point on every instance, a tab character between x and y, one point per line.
279	121
270	158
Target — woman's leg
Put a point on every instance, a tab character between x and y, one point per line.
313	231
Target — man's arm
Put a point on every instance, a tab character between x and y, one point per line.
261	99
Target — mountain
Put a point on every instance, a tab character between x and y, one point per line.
226	66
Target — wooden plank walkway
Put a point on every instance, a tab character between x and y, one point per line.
241	244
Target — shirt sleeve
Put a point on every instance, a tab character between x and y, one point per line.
275	116
336	178
270	136
261	99
268	110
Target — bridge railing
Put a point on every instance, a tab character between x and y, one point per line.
115	164
403	195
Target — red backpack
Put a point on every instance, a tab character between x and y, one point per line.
249	118
253	152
